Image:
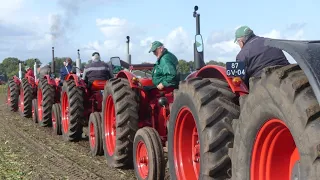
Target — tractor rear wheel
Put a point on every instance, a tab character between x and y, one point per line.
277	134
45	101
200	131
13	95
35	110
149	163
25	99
56	119
120	112
72	108
95	135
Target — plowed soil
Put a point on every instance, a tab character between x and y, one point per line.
28	151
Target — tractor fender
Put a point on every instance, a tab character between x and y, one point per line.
16	80
79	82
31	81
128	75
50	80
219	72
306	54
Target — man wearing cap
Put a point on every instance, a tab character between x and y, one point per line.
96	70
65	69
164	73
255	54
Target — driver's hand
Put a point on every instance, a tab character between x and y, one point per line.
160	86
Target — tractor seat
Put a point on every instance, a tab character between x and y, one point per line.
97	85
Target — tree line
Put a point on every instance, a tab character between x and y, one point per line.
10	66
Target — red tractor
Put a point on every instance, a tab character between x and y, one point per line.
48	94
218	130
21	92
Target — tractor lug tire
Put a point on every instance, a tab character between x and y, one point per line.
95	139
48	93
282	94
35	110
14	91
210	106
26	90
56	119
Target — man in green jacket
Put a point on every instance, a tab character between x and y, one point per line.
164	73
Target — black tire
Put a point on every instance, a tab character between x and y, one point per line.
283	93
35	110
13	88
213	106
156	163
27	92
56	119
48	93
95	121
127	117
76	109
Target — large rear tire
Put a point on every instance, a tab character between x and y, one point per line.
205	107
12	95
72	109
120	122
25	99
45	101
277	134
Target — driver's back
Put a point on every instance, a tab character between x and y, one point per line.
97	70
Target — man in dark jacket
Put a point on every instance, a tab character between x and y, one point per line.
164	73
255	54
96	70
65	69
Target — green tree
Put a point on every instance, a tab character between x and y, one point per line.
183	66
10	66
30	62
213	62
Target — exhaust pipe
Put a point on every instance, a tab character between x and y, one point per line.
20	71
53	63
35	69
128	52
78	64
198	56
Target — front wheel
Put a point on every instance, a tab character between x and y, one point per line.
56	118
149	163
277	134
35	110
95	135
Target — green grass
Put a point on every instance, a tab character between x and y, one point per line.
3	89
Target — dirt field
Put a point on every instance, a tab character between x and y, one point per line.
28	151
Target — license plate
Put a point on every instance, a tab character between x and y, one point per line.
235	69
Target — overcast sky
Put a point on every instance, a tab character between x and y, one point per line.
29	28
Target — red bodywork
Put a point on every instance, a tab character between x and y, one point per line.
159	116
92	97
54	83
214	71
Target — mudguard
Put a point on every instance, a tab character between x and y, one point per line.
128	75
79	82
214	71
306	54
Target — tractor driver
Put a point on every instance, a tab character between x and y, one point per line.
96	70
255	54
66	68
164	73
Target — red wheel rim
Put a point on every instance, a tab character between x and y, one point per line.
8	97
54	121
39	96
21	100
65	113
142	160
92	135
274	152
186	148
110	125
